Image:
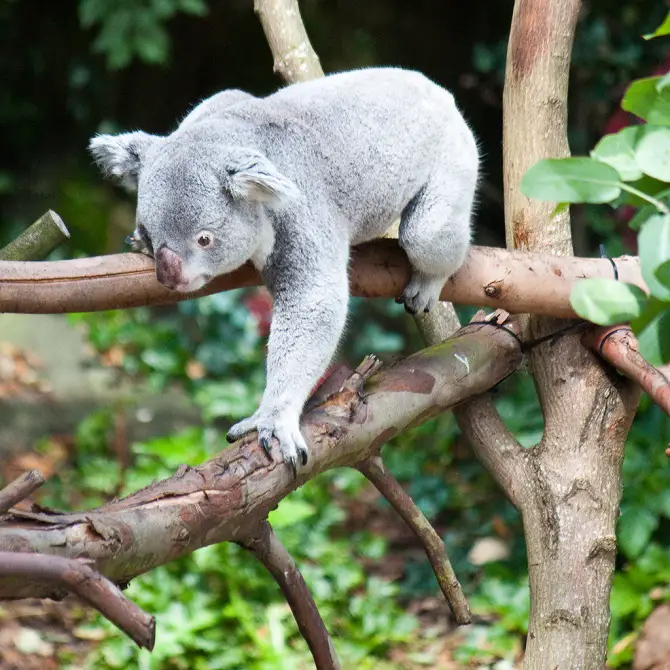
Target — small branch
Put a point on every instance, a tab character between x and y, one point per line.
37	241
267	548
76	576
519	282
389	487
294	58
619	347
20	489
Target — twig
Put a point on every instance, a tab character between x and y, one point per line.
520	282
267	548
20	489
294	58
619	347
67	574
37	241
373	468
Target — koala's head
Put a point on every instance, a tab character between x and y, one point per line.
200	206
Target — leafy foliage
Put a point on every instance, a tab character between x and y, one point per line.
636	162
134	28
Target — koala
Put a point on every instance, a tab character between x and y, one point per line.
291	182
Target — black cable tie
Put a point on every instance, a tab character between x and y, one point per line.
622	329
604	255
500	326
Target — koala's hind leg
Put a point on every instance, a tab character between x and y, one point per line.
435	232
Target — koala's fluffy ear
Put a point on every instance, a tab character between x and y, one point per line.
254	177
121	155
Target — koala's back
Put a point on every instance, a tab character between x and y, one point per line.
365	140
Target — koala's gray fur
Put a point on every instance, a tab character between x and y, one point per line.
290	182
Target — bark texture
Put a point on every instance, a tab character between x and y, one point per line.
570	501
294	58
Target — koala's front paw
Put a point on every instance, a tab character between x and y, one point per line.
286	429
422	292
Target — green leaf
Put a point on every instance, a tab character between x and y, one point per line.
618	150
654	340
663	274
662	503
652	308
635	527
663	29
644	100
571	180
653	243
195	7
653	154
648	211
607	301
663	83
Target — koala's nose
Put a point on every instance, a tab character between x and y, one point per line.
169	267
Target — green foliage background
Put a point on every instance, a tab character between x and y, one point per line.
106	65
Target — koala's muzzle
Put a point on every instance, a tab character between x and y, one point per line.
169	268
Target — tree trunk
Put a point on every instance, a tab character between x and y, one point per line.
570	505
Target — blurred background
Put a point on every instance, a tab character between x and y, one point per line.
104	403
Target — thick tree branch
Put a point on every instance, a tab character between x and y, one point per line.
373	468
570	497
37	241
515	281
267	548
62	575
235	490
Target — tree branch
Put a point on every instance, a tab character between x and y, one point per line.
518	282
294	58
20	489
37	241
60	575
236	490
373	468
267	548
619	347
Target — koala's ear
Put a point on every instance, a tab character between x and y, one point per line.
121	155
254	177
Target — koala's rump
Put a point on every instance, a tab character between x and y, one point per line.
366	140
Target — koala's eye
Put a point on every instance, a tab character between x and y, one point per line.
205	239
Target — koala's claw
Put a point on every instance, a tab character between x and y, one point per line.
421	293
285	430
241	428
266	445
